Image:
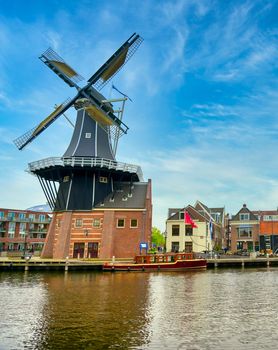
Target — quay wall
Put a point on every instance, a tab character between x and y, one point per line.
96	265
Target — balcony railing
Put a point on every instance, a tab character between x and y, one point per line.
38	231
85	162
27	220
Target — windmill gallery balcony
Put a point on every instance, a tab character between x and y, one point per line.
85	162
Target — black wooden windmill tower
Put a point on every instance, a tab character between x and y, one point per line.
88	172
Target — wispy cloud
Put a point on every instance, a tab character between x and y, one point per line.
234	45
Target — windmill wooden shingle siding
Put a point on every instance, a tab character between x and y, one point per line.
87	181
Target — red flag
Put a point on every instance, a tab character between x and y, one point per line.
188	220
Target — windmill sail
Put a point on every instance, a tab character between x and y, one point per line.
88	97
60	67
26	138
115	62
98	115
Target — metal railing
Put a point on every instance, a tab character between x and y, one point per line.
85	162
26	220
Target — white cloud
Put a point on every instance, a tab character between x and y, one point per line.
234	46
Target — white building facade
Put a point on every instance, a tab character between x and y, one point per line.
181	236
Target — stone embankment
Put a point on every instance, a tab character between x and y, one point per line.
37	264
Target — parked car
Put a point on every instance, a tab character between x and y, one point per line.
242	252
26	256
209	254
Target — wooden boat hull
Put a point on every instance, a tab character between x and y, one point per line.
179	265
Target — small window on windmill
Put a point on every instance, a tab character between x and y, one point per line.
88	135
66	179
96	222
103	179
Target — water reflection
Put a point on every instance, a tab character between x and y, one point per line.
199	310
86	309
22	300
219	309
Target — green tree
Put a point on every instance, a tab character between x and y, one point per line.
157	237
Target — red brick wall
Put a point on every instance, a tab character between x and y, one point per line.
127	240
113	241
234	235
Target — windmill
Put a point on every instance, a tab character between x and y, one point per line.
88	170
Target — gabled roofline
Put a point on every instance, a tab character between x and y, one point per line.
205	209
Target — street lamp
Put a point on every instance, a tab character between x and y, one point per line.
25	244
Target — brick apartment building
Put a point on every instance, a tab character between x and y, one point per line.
254	230
268	229
23	229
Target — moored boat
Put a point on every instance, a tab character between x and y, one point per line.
159	262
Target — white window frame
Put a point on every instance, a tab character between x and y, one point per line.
118	223
244	216
78	220
136	223
21	216
32	217
96	220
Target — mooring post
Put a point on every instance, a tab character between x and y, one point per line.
267	259
67	264
242	263
26	268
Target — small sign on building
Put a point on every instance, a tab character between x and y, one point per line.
143	245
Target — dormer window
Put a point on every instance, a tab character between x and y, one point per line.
244	216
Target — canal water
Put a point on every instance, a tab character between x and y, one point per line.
214	309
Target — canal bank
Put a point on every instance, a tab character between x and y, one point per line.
37	264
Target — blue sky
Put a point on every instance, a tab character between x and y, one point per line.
204	117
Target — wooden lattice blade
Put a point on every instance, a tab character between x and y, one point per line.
115	62
113	68
30	135
65	68
61	68
98	115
